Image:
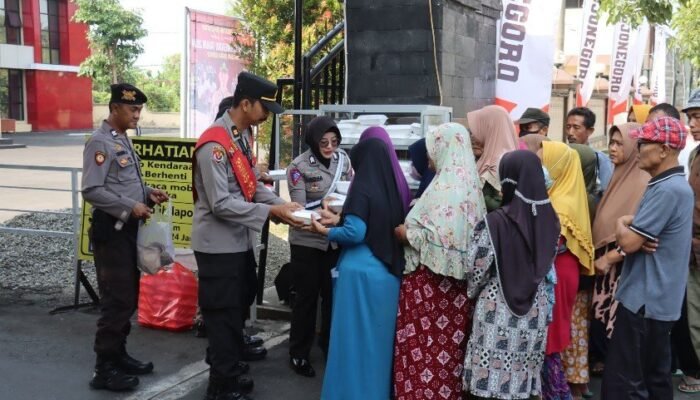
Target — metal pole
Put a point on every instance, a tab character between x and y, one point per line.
298	24
184	76
75	206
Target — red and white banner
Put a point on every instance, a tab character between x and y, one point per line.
526	55
590	35
211	67
621	70
658	72
640	47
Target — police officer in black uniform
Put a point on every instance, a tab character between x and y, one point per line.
113	185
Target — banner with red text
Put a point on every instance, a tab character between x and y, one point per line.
590	35
211	67
621	70
658	72
640	47
526	55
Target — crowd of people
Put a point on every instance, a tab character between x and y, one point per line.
519	268
522	267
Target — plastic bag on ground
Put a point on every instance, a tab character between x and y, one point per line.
168	299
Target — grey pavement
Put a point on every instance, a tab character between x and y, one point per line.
50	357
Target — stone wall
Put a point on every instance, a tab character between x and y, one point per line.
391	58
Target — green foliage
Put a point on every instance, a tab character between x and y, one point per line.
686	23
162	88
634	11
113	34
271	51
682	15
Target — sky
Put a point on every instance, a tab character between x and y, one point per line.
164	20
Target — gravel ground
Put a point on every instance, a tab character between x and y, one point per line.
38	269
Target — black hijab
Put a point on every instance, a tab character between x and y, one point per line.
524	234
374	198
418	152
315	130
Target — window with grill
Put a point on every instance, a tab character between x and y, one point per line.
11	94
50	43
10	22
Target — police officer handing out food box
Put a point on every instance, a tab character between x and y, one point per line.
230	203
311	178
113	185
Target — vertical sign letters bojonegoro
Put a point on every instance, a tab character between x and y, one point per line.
588	53
525	51
166	163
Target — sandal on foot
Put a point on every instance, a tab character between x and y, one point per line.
689	384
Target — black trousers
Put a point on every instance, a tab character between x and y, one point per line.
227	287
683	345
311	276
117	281
638	365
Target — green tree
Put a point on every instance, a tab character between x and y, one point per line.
635	11
269	53
113	34
162	87
682	15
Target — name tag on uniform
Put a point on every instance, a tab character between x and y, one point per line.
312	179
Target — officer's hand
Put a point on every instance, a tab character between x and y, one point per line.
159	196
650	246
141	211
329	218
283	213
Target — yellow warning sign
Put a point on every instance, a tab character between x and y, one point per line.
166	164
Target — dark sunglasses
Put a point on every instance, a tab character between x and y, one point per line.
325	142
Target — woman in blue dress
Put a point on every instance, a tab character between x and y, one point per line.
367	290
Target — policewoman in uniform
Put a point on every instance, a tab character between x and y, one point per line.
230	206
113	185
311	177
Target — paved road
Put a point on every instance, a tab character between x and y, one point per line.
46	357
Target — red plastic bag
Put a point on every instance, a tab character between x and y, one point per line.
168	299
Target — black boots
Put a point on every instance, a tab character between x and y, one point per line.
110	377
133	366
220	388
116	373
302	366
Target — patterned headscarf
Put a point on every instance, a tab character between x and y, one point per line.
440	225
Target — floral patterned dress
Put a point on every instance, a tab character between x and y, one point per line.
505	352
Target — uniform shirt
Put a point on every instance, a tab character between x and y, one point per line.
308	180
657	281
224	222
111	173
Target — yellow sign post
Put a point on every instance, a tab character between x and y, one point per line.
166	164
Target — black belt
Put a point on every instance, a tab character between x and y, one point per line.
600	251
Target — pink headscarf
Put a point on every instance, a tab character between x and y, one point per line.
493	127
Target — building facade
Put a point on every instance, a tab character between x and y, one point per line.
40	51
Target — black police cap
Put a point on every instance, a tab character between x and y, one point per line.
125	93
260	89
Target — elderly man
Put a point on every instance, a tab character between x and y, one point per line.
656	245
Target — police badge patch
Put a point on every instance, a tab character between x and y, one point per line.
99	158
295	176
218	154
